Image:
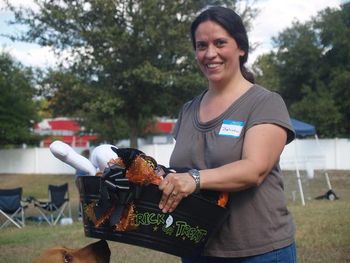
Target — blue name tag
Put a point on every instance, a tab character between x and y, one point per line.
231	128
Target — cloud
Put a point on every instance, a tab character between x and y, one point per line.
32	55
36	56
26	53
276	15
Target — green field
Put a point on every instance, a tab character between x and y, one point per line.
323	226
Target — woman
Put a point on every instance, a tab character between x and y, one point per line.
232	135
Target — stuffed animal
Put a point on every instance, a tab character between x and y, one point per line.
102	155
66	154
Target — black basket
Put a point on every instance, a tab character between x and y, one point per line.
184	232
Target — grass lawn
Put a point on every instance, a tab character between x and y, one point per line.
323	226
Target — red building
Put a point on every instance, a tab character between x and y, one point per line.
162	126
69	131
64	129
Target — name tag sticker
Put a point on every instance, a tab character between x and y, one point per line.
231	128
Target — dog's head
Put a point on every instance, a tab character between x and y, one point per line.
97	252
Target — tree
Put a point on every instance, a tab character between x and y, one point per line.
65	93
334	30
298	59
321	108
17	108
136	52
266	71
311	65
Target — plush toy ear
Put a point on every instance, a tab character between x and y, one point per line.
101	155
66	154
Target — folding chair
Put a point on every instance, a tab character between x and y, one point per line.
53	209
12	207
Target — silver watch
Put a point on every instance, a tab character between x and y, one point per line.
196	177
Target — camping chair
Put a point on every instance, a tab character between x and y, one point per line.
53	209
12	207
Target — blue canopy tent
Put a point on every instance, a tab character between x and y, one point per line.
303	130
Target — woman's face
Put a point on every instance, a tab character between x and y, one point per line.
217	52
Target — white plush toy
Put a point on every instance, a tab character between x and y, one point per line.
66	154
101	155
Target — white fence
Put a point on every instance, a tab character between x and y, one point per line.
328	154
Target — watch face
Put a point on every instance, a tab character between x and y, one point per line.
194	172
196	176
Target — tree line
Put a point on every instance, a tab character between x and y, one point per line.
310	68
131	61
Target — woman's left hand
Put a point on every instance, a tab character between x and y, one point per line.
175	187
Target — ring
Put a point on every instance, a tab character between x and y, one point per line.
173	194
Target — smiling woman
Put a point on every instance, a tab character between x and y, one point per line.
230	138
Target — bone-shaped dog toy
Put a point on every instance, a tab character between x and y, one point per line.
66	154
103	154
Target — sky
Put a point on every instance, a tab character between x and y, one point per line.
274	17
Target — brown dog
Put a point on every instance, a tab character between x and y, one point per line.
97	252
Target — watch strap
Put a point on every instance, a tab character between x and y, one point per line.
196	177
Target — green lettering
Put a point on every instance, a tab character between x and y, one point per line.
149	219
193	233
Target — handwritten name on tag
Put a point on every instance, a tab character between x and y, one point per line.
231	128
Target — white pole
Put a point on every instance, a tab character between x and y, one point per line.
324	170
298	173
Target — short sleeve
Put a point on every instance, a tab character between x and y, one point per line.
271	108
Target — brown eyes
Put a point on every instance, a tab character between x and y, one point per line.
202	45
220	42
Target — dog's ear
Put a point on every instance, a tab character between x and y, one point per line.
101	251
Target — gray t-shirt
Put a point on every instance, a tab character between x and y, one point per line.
259	220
